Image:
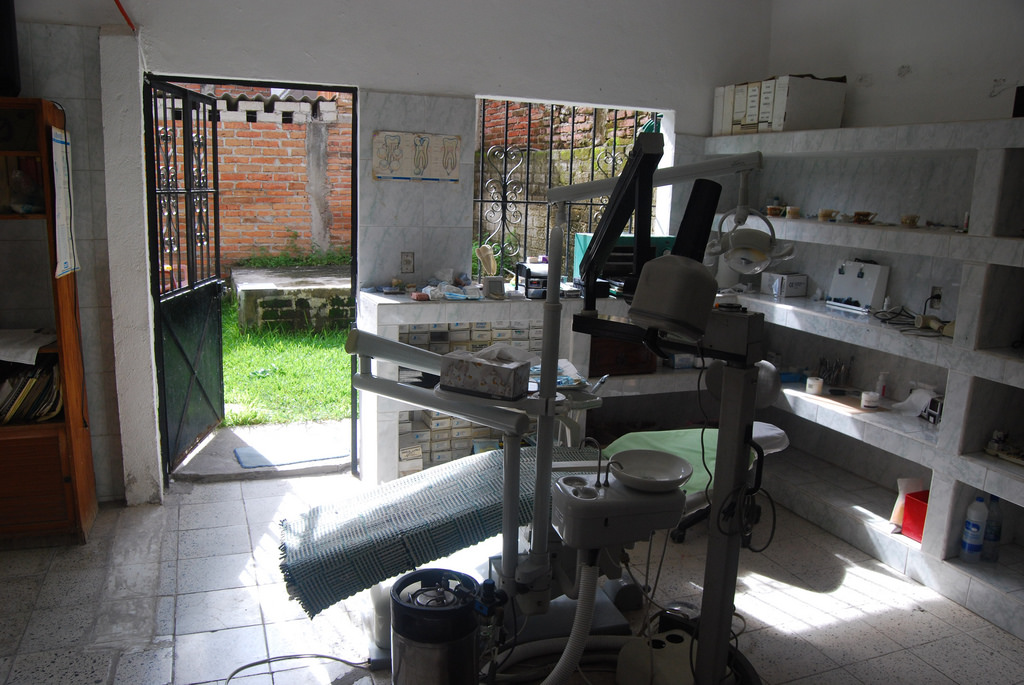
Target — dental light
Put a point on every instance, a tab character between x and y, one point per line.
747	250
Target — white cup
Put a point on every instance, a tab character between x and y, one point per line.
815	385
869	400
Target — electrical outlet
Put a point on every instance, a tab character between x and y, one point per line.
408	262
935	301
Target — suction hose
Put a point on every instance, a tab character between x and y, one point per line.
570	658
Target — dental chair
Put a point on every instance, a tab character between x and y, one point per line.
698	445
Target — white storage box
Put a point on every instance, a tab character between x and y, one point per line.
783	103
805	102
784	284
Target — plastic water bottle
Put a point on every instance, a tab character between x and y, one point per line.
974	530
993	531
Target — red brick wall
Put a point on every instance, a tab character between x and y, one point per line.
263	200
265	206
571	124
339	166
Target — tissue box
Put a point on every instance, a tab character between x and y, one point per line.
495	379
784	284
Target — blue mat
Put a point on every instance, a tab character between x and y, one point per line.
252	458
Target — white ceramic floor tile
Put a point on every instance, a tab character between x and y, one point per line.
96	554
59	628
839	676
964	659
911	628
277	605
211	514
898	668
62	666
216	610
1001	641
780	657
151	666
26	562
203	657
72	588
215	573
133	580
124	622
847	642
213	542
12	627
19	595
274	508
188	493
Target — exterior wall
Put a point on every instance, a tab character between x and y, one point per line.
285	178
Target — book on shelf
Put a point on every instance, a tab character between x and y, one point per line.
52	405
28	393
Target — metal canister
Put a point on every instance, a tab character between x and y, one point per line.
434	629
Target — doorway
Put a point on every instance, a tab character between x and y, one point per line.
285	190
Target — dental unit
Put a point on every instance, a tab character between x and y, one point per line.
577	515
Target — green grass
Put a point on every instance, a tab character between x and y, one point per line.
265	260
283	376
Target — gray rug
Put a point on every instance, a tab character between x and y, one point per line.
252	458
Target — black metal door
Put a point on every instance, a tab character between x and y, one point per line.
181	146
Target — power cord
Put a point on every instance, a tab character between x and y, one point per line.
364	665
742	503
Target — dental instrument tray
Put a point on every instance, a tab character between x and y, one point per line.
650	470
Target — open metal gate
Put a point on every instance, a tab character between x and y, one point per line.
181	160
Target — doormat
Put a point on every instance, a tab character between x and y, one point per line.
252	458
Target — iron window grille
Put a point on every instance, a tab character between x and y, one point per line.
525	148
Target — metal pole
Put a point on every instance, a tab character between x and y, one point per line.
732	463
510	514
548	391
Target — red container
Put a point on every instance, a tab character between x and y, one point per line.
915	507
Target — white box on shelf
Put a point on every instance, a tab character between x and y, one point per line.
716	115
784	284
805	102
764	111
739	107
858	286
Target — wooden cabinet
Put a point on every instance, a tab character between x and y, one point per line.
47	483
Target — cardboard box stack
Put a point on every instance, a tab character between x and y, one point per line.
427	438
782	103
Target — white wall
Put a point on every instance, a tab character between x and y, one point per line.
912	61
62	64
127	231
434	221
655	54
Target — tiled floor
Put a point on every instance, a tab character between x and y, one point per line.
189	591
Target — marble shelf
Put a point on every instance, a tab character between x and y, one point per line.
941	138
943	242
1003	365
997	476
908	436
